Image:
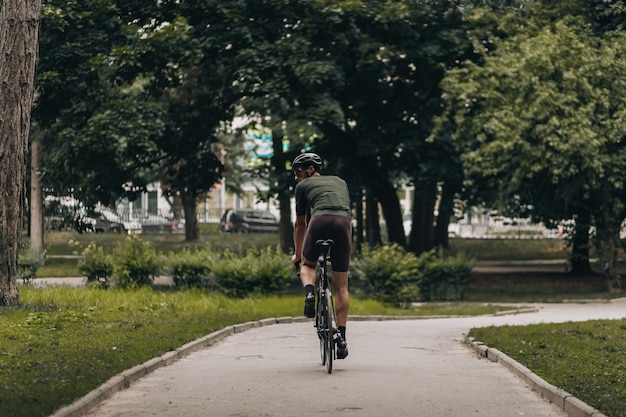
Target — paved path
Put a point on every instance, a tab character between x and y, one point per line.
395	368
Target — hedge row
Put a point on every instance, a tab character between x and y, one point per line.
388	273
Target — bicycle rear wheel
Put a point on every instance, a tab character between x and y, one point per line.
329	346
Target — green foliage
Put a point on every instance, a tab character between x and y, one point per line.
444	278
390	274
273	271
541	119
394	276
259	271
135	263
27	263
235	269
191	268
95	264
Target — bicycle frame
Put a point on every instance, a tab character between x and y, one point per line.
325	317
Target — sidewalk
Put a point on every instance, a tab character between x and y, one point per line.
81	281
395	368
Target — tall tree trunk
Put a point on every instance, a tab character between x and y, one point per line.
372	230
36	205
610	249
446	206
192	228
422	231
386	195
610	244
279	159
579	258
422	236
285	226
19	38
360	224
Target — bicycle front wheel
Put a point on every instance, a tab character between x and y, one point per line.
321	325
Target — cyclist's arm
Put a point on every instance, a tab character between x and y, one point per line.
299	228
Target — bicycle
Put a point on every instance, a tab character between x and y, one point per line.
325	313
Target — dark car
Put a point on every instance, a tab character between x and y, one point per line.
103	220
248	221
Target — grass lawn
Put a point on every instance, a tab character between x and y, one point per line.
63	342
585	359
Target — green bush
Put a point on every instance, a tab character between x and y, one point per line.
233	274
263	271
444	278
192	268
27	263
394	276
135	263
95	264
389	274
272	270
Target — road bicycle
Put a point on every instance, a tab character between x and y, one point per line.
325	314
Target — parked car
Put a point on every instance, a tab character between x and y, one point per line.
248	221
157	224
108	220
103	220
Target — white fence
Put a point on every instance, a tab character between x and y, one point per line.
481	231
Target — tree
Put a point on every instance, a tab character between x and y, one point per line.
541	120
366	75
198	65
96	130
36	205
19	36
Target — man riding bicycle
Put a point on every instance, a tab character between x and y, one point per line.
322	212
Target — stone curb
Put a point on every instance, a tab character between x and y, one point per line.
564	400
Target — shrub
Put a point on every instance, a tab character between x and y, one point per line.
263	271
394	276
233	274
135	263
444	278
96	265
272	270
389	274
27	263
192	268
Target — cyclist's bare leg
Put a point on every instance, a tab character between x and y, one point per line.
342	297
307	272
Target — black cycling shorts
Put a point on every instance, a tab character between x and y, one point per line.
330	226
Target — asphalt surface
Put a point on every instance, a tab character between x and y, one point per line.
395	368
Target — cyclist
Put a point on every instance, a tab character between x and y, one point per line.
322	212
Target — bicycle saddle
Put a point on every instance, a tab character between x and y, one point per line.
325	243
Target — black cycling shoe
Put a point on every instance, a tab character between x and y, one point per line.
309	306
342	348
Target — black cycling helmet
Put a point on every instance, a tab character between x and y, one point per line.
307	159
